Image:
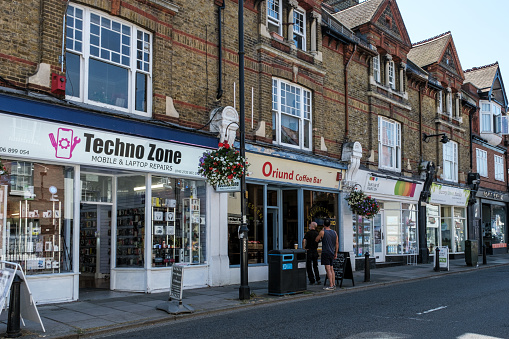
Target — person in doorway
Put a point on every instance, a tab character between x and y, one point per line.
311	247
330	247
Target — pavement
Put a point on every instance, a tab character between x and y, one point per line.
100	312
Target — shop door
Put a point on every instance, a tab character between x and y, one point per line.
273	229
378	238
95	244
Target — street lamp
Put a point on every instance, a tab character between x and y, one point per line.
244	292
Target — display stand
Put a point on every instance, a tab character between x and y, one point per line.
174	304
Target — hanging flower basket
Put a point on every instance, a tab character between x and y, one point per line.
222	166
362	204
3	168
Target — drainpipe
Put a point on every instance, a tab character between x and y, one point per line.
346	92
220	46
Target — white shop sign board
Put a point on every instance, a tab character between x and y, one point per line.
42	140
443	258
28	309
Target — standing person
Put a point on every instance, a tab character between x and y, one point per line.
311	246
330	248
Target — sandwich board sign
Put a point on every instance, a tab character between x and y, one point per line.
443	258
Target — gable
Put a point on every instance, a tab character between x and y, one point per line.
388	19
449	59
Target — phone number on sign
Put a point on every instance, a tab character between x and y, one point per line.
14	151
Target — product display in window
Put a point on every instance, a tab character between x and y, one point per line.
32	217
166	245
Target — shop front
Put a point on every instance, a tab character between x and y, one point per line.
284	197
84	207
446	219
493	220
391	235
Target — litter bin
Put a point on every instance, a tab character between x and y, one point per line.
287	271
471	252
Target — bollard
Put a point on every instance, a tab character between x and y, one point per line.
14	318
437	259
366	267
484	254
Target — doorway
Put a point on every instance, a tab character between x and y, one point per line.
273	229
378	238
95	245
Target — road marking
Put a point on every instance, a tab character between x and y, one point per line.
432	310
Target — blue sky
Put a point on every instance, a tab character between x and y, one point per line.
480	29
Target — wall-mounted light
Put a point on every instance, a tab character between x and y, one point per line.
444	138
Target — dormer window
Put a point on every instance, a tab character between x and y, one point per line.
274	16
299	29
376	68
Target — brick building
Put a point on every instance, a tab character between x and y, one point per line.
106	108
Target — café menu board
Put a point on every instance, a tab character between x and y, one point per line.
343	268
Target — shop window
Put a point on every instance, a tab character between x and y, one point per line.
450	154
274	15
178	221
482	162
131	192
393	242
299	29
499	168
432	227
389	144
255	218
453	228
494	229
36	216
291	115
108	61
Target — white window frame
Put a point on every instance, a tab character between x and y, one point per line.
128	59
482	162
440	102
275	14
376	68
302	111
392	75
499	167
450	164
491	117
299	30
389	137
449	103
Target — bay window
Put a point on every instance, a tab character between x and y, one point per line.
490	117
389	144
291	115
108	61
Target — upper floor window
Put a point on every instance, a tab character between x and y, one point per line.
440	101
389	144
449	103
499	168
108	62
490	117
299	29
291	115
274	16
376	68
391	75
450	153
482	162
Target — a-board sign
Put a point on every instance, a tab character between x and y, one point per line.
177	274
443	258
342	268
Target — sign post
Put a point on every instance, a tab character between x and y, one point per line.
174	304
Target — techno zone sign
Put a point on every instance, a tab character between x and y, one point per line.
41	140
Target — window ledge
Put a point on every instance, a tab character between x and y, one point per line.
167	4
388	89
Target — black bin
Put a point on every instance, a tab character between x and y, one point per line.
287	271
471	252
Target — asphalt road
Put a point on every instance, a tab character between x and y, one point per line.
466	305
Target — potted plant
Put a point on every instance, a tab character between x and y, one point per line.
223	165
362	204
3	168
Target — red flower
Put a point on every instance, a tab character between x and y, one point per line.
226	146
230	176
220	144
